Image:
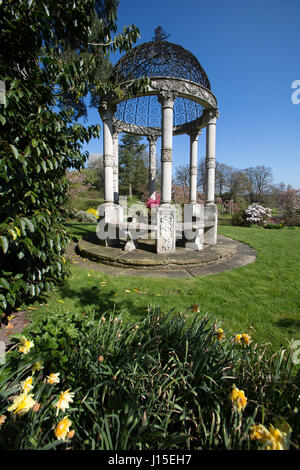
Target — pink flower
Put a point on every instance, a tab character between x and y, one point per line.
153	202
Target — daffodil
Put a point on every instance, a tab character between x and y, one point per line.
22	404
27	385
62	429
272	438
53	378
25	345
63	402
220	334
237	338
238	398
2	420
245	339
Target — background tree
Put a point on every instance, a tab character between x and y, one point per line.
182	179
39	139
133	173
223	178
239	186
201	176
260	178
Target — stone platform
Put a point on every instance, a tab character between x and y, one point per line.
227	254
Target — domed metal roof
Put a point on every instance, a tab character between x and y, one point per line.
160	59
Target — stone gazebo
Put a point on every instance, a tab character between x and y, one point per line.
178	101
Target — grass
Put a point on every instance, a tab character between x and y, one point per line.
261	298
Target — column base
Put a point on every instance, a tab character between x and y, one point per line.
194	226
211	223
109	215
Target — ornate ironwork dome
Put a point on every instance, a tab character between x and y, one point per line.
160	59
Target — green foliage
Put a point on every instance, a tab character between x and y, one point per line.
132	169
239	219
39	138
162	383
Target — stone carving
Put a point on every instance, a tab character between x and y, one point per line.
166	155
184	88
167	98
210	162
166	232
108	160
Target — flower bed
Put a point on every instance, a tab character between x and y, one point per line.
163	383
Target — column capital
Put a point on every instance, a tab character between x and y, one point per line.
152	139
211	116
106	110
167	98
194	134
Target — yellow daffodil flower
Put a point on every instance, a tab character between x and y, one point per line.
64	399
27	385
25	345
272	438
53	378
245	339
220	334
62	429
2	420
237	338
22	404
238	398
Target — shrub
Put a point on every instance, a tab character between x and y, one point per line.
84	216
167	382
239	219
258	215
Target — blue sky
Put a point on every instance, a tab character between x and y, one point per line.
250	52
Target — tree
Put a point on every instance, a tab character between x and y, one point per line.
182	179
239	185
201	176
223	178
260	178
96	174
160	34
133	172
39	139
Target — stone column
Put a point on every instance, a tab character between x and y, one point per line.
116	166
211	157
193	165
152	139
210	210
167	106
106	113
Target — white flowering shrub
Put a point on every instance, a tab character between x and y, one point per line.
256	214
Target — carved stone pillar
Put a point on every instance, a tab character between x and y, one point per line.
193	165
106	113
116	166
210	210
152	139
211	156
167	107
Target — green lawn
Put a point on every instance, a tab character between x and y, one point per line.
261	299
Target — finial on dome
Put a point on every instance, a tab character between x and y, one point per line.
160	34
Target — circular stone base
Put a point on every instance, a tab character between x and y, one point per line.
145	262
